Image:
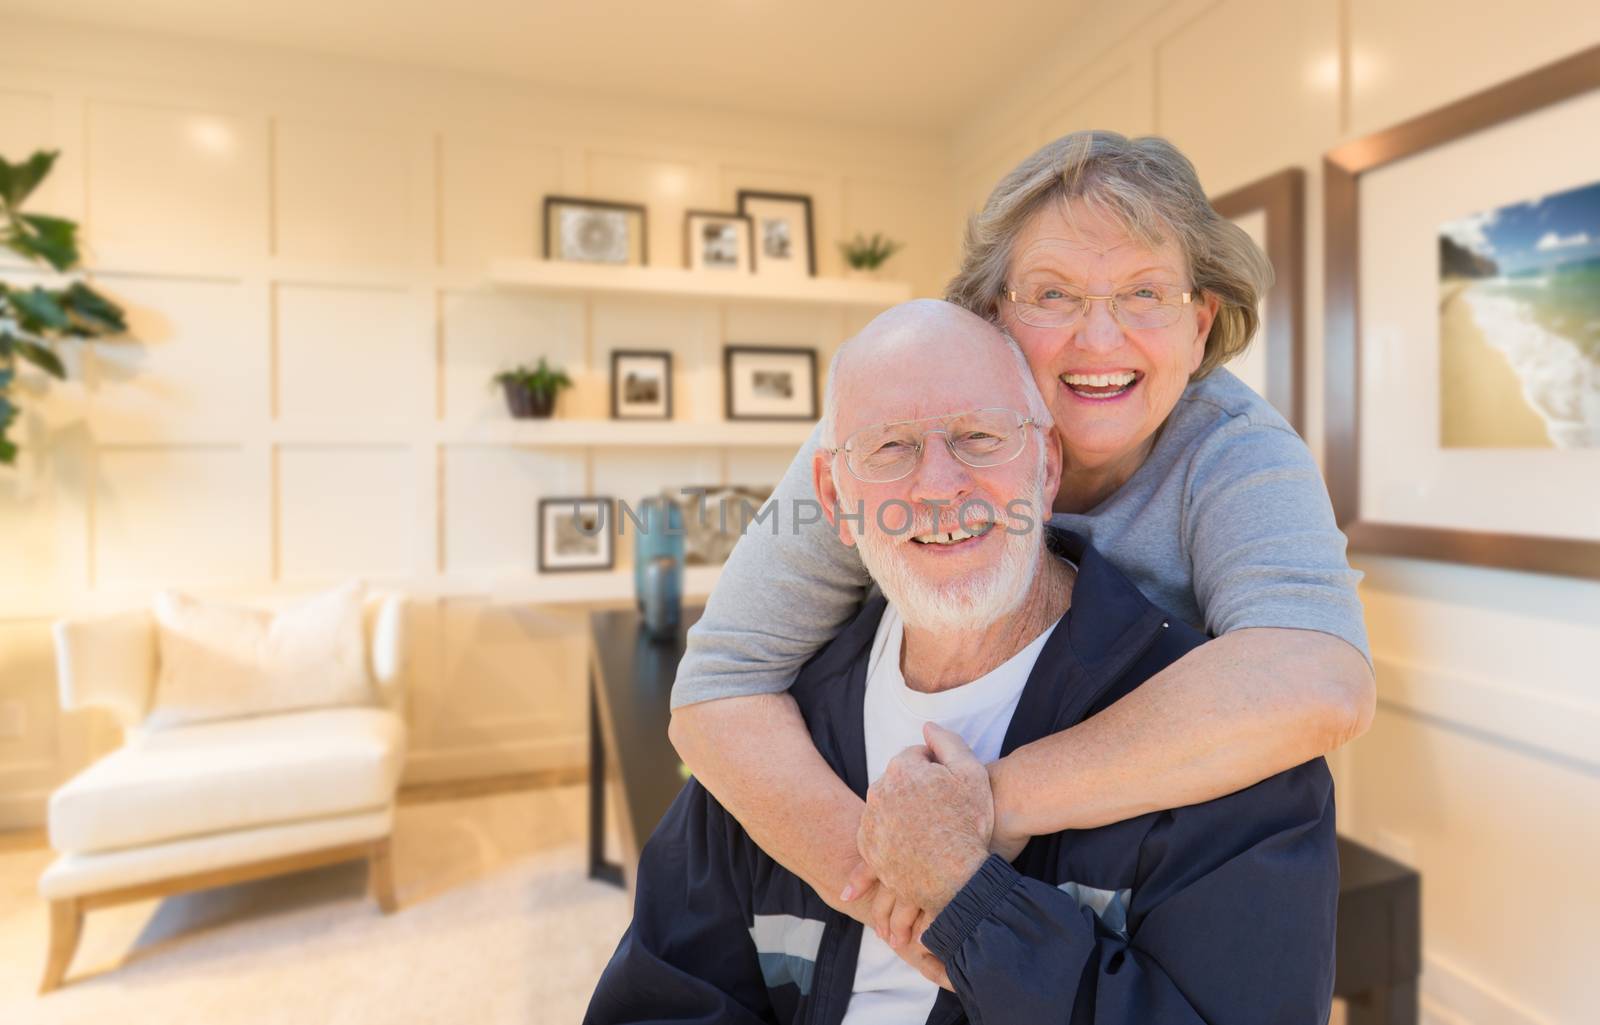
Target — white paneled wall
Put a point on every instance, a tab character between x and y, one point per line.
1482	767
302	244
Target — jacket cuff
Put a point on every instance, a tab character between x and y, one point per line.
988	886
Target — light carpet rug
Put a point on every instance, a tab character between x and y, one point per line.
498	922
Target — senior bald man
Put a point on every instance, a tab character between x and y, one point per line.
986	630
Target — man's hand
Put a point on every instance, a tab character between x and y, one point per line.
928	821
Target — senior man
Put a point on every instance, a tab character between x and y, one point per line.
990	632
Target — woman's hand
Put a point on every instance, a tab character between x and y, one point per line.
893	918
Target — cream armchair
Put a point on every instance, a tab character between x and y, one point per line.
221	802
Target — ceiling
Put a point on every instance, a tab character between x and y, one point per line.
923	65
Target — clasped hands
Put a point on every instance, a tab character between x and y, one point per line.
929	825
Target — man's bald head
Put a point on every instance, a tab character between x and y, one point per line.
910	339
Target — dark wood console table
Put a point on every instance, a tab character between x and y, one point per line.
1379	947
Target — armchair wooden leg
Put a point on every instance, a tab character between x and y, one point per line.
380	875
66	925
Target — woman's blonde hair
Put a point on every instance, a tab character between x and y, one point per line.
1151	189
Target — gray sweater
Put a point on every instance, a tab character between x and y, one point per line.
1226	525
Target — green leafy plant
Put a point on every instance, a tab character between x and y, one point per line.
33	319
533	392
864	253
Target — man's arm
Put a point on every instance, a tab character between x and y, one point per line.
1230	922
688	955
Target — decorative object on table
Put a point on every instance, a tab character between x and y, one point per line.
714	518
33	319
867	255
770	384
659	523
576	534
595	231
719	242
1442	197
1272	212
661	604
532	393
783	235
641	385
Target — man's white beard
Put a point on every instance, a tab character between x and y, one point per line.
976	600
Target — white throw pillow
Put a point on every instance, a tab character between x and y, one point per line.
221	661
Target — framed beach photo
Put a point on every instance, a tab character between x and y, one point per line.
783	237
575	534
717	242
1463	334
1272	212
641	385
770	384
594	231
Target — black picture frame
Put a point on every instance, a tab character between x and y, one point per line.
552	205
746	197
749	261
550	507
806	361
618	411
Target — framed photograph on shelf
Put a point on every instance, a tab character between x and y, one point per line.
641	385
595	231
575	534
1272	212
770	384
1463	330
783	237
714	241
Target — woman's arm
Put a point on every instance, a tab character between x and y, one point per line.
756	757
1234	711
787	588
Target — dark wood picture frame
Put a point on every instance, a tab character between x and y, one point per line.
689	240
728	354
744	195
598	204
617	355
608	533
1342	171
1282	198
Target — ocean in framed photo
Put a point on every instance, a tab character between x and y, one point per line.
1519	325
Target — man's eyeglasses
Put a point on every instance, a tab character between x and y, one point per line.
888	452
1139	306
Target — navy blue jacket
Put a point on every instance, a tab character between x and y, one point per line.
1221	912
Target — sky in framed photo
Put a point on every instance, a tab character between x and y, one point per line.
1519	347
1409	473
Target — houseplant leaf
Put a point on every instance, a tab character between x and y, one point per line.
50	239
17	181
41	357
92	313
39	310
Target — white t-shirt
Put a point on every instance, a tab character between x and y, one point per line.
888	991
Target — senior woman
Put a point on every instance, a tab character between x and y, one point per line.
1127	292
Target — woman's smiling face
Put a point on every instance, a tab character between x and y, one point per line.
1110	387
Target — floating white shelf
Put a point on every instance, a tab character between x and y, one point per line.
589	588
630	434
560	276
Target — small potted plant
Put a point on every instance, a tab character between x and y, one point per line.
532	393
865	255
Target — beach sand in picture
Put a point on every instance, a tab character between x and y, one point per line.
1480	397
